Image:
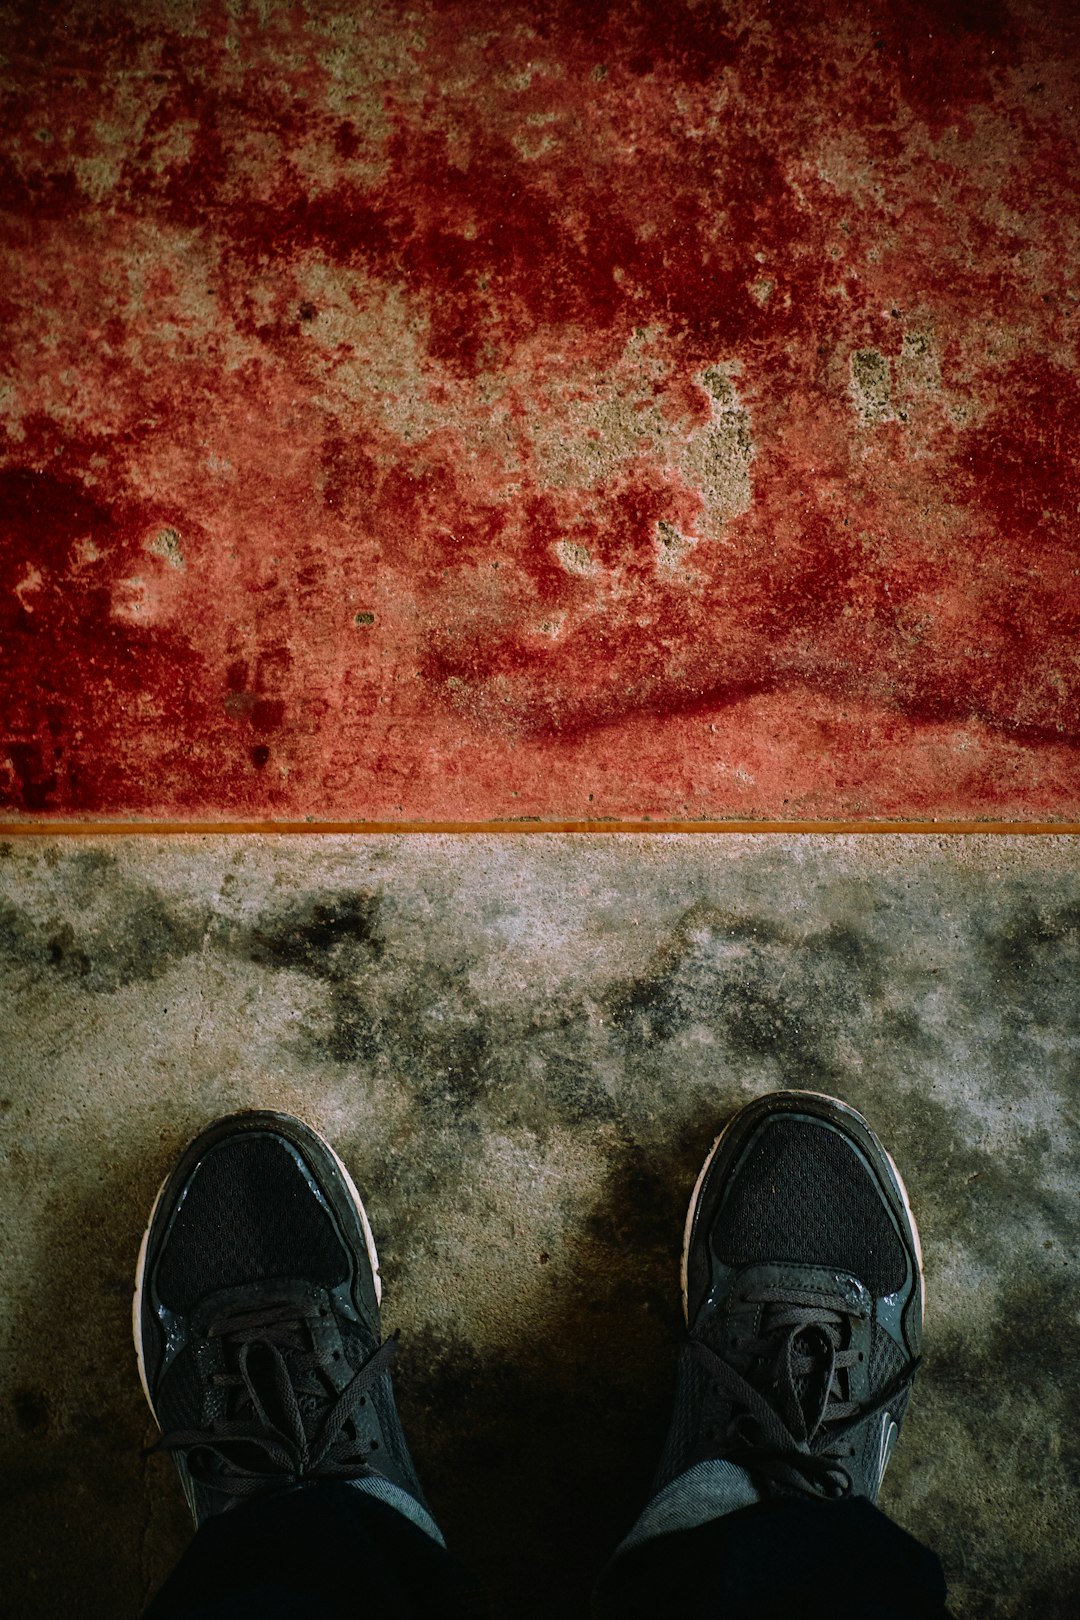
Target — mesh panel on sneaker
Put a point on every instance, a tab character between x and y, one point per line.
179	1395
684	1438
887	1360
802	1195
248	1214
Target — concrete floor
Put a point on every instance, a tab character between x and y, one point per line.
522	1047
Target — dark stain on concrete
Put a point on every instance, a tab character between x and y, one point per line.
334	938
549	1439
764	992
107	932
31	1410
565	1420
428	1025
1032	955
326	935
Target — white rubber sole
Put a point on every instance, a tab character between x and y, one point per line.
140	1268
853	1113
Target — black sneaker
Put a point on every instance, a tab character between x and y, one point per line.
256	1319
803	1291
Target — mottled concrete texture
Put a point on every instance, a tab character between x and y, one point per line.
523	1047
557	408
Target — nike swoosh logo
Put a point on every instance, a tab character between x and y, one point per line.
886	1444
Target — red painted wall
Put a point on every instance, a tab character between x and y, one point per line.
559	410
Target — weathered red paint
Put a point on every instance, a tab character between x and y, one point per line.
361	457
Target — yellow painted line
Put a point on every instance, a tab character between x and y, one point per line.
114	829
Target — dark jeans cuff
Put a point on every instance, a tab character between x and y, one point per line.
328	1552
796	1556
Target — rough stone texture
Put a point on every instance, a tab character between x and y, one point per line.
552	408
523	1047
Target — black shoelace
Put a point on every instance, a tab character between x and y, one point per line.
284	1421
792	1426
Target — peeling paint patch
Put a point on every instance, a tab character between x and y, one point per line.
672	546
575	559
716	460
166	543
871	386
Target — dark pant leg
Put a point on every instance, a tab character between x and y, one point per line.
779	1560
328	1552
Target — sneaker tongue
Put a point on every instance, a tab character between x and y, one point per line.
772	1296
814	1346
783	1282
299	1295
273	1328
264	1371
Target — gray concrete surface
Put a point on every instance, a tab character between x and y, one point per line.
523	1047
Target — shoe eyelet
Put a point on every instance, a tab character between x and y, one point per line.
337	1355
374	1445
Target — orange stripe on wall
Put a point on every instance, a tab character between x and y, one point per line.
113	829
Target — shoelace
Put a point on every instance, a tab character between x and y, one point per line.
792	1431
285	1421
